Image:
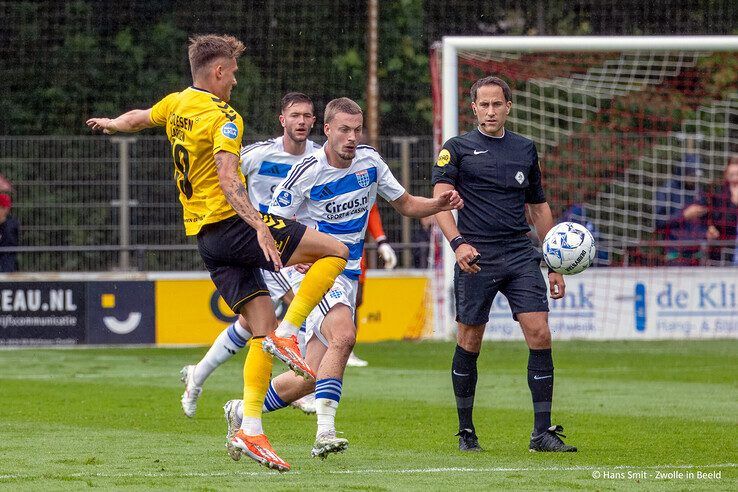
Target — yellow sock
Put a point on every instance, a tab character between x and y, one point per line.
316	283
257	371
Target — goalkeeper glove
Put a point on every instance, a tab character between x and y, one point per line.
387	253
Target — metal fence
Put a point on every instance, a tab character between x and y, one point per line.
99	203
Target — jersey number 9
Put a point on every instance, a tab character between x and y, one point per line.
182	166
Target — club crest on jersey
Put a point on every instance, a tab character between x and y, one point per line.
335	293
520	177
229	130
283	199
363	178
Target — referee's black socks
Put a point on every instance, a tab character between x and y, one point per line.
541	383
464	377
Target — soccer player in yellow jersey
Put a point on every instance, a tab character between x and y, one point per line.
234	240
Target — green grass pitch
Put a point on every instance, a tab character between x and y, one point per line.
645	415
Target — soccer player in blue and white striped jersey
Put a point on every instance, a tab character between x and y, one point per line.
333	191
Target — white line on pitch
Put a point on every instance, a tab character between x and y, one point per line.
530	468
375	471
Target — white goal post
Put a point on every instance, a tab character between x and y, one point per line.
453	47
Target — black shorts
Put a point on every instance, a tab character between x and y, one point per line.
233	257
512	267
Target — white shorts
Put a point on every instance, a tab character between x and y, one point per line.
343	291
277	283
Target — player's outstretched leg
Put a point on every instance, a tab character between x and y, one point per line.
225	346
328	257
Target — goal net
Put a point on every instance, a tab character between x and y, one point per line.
629	131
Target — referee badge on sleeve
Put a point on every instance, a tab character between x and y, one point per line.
444	157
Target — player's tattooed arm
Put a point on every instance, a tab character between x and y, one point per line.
234	189
238	196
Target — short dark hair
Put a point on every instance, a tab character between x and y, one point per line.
294	98
491	80
206	48
340	105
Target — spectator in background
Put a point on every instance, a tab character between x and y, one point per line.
679	192
421	234
720	207
9	235
5	185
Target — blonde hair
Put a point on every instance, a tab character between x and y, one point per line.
340	105
206	48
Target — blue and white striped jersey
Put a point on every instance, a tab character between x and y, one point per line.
337	201
265	164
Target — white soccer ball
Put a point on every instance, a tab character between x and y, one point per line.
568	248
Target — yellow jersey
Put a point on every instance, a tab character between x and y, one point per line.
199	125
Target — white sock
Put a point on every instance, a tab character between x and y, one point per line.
286	329
252	426
325	409
228	343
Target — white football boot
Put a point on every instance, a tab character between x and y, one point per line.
354	361
306	404
191	393
327	443
230	409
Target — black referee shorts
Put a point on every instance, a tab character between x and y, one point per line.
233	257
512	267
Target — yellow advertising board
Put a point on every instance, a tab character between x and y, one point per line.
189	312
394	308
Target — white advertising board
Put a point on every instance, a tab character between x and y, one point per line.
636	304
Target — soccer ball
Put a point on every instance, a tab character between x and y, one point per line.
568	248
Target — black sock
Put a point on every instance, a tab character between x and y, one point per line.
541	383
464	378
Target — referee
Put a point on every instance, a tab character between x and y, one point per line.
496	172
